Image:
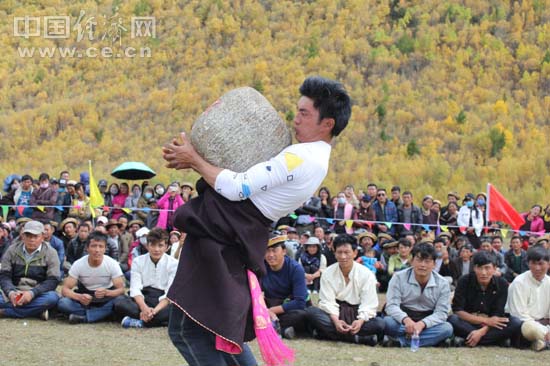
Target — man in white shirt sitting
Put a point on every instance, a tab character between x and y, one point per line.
348	299
99	280
529	299
152	276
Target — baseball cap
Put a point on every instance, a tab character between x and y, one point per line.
33	227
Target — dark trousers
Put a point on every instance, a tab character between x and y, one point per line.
198	346
293	318
321	321
126	306
462	328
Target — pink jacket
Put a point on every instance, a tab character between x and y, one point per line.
537	225
119	200
164	204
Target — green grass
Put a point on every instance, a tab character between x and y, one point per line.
57	343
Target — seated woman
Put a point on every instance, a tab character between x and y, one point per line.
313	262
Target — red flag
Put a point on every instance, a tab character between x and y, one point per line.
499	209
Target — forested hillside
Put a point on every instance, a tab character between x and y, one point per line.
448	95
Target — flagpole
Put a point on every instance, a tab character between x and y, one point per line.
487	205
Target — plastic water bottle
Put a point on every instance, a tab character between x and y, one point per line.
415	342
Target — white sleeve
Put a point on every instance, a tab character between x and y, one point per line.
261	177
172	269
369	298
517	301
327	296
136	282
75	269
114	268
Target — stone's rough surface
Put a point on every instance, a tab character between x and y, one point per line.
240	130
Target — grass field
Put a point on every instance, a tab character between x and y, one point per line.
35	342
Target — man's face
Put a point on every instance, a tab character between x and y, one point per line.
307	125
156	250
422	267
381	196
275	256
465	254
26	184
395	195
404	250
303	239
319	233
484	273
407	199
515	244
486	246
48	232
451	198
345	256
113	230
69	229
102	189
371	190
348	191
83	232
64	176
292	235
124	222
32	241
96	249
497	244
133	228
539	269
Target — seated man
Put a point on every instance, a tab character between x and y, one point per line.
284	288
486	245
418	301
478	306
99	280
348	301
529	299
152	276
515	259
77	246
30	273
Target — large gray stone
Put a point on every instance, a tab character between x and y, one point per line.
239	130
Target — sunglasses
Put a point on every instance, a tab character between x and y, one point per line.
381	194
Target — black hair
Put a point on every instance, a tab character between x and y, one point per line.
26	177
496	237
372	185
344	239
538	253
157	235
83	224
407	192
515	237
396	189
63	172
43	176
439	240
485	239
381	189
97	236
330	99
328	193
78	186
482	258
423	251
405	242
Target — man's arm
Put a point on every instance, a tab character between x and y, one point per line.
299	292
118	283
393	300
442	306
234	186
53	273
369	298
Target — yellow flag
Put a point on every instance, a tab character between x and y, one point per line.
41	208
292	161
96	198
444	228
349	224
504	232
127	210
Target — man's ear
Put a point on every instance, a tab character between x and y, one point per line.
329	123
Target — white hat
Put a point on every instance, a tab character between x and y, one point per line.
102	219
142	232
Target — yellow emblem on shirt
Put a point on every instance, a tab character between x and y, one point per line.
292	161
